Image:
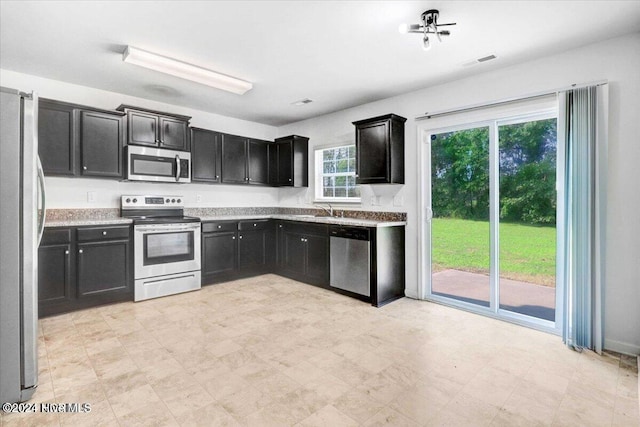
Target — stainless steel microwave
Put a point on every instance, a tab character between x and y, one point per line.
157	165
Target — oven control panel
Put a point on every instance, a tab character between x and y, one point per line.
152	202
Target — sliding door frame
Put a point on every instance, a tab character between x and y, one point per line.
424	132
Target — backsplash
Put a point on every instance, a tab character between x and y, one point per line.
114	213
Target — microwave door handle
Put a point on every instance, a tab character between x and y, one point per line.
177	168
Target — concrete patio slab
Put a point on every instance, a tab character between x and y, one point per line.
521	297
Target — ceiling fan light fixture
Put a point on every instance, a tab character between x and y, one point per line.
185	71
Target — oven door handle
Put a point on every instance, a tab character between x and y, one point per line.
177	168
144	229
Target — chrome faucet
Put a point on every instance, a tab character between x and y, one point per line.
329	211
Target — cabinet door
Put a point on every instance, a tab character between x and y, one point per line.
251	249
103	268
285	163
205	155
258	162
317	268
54	276
218	253
173	134
143	128
294	253
372	153
56	145
234	159
101	144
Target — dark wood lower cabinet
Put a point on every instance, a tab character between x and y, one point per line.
218	253
84	267
103	268
234	249
304	252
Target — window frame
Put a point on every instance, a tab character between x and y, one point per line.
319	175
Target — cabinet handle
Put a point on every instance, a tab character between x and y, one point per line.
219	226
301	239
104	233
217	176
255	225
233	238
289	179
84	168
239	237
66	252
280	226
80	251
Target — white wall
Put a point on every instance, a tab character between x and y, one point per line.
616	60
72	193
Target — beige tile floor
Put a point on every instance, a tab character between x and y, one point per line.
269	351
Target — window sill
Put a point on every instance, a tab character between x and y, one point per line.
339	201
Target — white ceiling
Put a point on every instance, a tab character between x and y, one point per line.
339	54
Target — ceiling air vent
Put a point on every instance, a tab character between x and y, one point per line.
479	61
302	101
486	58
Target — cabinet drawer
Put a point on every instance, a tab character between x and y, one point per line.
102	233
52	236
212	227
257	224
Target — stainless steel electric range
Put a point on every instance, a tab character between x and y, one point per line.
166	246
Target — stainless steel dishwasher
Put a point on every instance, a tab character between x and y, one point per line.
350	259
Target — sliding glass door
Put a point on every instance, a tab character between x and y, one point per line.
460	232
492	218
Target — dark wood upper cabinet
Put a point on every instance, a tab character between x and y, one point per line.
206	155
156	129
289	161
234	159
258	161
173	134
75	140
244	160
380	150
56	137
101	140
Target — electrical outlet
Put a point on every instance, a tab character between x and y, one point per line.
198	198
91	196
375	200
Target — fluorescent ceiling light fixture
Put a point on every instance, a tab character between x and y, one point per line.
185	71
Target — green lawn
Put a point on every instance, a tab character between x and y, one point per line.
527	252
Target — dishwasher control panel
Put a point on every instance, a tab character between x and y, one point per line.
357	233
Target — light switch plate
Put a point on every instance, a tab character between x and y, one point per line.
198	198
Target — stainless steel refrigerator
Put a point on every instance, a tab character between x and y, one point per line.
22	214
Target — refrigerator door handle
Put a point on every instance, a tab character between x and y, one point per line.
43	200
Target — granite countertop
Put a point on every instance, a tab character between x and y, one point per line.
309	218
109	216
82	222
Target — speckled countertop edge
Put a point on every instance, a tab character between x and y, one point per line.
81	222
305	218
111	216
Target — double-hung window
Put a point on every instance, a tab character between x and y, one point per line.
336	174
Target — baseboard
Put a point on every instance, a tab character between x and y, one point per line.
622	347
411	294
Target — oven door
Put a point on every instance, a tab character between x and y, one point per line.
154	164
162	249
